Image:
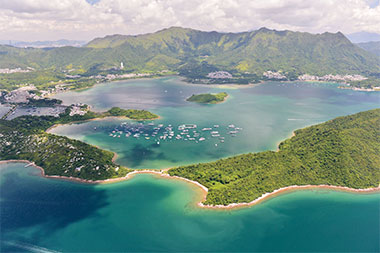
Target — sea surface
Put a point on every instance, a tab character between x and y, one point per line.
149	213
265	115
154	214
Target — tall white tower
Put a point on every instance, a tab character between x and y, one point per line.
121	65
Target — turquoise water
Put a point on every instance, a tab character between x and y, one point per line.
267	115
153	214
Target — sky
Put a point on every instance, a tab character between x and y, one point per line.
30	20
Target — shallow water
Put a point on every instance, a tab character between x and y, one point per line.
267	115
154	214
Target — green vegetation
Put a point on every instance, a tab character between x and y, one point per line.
342	152
370	83
373	47
45	102
208	98
130	113
192	54
24	138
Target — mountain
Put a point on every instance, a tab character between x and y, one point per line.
186	49
43	44
373	47
361	37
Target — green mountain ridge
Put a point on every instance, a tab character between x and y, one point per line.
372	47
178	48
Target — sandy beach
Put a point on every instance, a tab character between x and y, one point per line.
163	174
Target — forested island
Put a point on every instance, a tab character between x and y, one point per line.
208	98
25	138
342	152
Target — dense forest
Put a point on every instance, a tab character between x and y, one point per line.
189	53
344	152
24	138
208	98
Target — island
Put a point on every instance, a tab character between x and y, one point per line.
208	98
342	152
25	139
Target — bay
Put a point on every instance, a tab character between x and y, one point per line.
154	214
266	114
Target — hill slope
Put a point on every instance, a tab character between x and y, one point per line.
341	152
179	48
373	47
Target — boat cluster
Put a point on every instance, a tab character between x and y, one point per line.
185	132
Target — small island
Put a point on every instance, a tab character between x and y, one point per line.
208	98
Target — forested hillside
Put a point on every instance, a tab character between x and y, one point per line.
341	152
179	48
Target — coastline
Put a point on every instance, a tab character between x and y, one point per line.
163	174
183	81
94	119
357	88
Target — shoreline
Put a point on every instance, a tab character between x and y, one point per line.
162	173
183	81
94	119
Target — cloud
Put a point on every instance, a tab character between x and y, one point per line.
85	19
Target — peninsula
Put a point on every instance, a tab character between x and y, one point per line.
25	138
341	152
208	98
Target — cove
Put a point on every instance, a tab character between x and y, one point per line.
267	114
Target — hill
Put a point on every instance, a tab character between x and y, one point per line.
372	47
194	54
343	152
255	51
